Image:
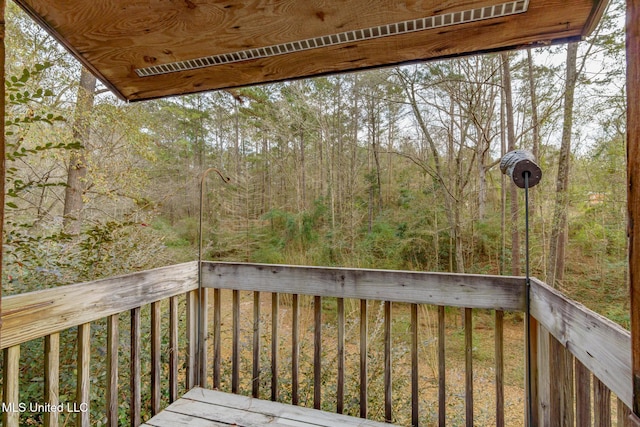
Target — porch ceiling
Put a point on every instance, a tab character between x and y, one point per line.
234	43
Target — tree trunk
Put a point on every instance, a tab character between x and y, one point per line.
555	263
77	172
511	138
535	125
303	173
503	189
452	206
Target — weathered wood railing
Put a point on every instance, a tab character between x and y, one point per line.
578	357
391	287
46	313
563	333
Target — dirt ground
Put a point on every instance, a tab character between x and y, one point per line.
483	350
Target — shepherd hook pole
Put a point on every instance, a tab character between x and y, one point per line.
200	377
521	167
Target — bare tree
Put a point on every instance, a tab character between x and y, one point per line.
557	243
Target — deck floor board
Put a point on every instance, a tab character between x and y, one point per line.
209	408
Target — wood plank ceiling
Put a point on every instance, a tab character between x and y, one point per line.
144	49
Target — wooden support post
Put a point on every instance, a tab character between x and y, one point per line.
633	187
2	143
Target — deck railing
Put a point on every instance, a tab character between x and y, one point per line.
48	313
579	359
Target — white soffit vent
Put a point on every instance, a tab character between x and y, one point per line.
420	24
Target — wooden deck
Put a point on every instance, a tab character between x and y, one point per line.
207	408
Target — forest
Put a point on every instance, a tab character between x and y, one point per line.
395	168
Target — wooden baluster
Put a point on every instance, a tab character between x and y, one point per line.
623	414
10	386
442	369
583	395
83	375
203	337
274	345
388	401
415	377
340	384
217	340
534	350
134	369
561	375
499	350
155	357
255	381
173	349
364	333
235	343
192	339
543	380
317	352
601	404
295	350
113	337
468	346
51	377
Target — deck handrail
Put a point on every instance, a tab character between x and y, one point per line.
601	345
447	289
37	314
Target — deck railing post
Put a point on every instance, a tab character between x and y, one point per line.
633	187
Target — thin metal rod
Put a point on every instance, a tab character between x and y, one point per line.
528	300
200	350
